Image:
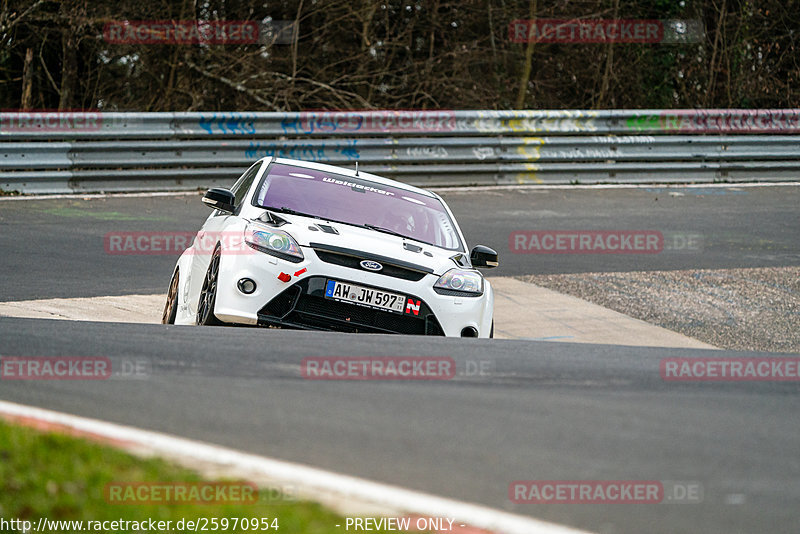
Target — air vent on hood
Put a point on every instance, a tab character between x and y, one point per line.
271	219
328	229
460	260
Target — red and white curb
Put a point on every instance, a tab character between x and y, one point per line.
309	481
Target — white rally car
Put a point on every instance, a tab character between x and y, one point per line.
306	245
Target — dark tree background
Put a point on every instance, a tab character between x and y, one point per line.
393	54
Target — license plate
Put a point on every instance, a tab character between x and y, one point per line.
365	296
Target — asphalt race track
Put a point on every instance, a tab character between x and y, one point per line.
539	411
542	411
740	227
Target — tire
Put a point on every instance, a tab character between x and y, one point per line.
171	307
208	295
491	332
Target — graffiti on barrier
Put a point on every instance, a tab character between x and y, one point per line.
306	151
483	152
536	122
228	123
436	151
530	148
584	153
621	139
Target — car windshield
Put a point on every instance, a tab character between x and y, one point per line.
380	207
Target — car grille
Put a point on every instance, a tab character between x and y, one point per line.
353	258
304	305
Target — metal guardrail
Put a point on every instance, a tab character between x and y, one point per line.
92	151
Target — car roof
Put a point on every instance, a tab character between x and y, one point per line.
344	171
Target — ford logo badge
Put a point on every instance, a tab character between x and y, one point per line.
371	265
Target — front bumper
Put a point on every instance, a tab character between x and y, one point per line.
303	305
292	295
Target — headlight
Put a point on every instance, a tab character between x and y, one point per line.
275	242
460	282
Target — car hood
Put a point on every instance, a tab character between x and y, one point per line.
309	232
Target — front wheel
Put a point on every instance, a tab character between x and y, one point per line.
171	307
208	295
491	332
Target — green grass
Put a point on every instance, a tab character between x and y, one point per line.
64	478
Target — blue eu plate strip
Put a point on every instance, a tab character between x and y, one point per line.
329	288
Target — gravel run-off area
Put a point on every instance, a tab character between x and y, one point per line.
740	309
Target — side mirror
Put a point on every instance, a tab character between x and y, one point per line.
219	199
483	256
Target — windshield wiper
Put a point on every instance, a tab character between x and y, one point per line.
385	230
